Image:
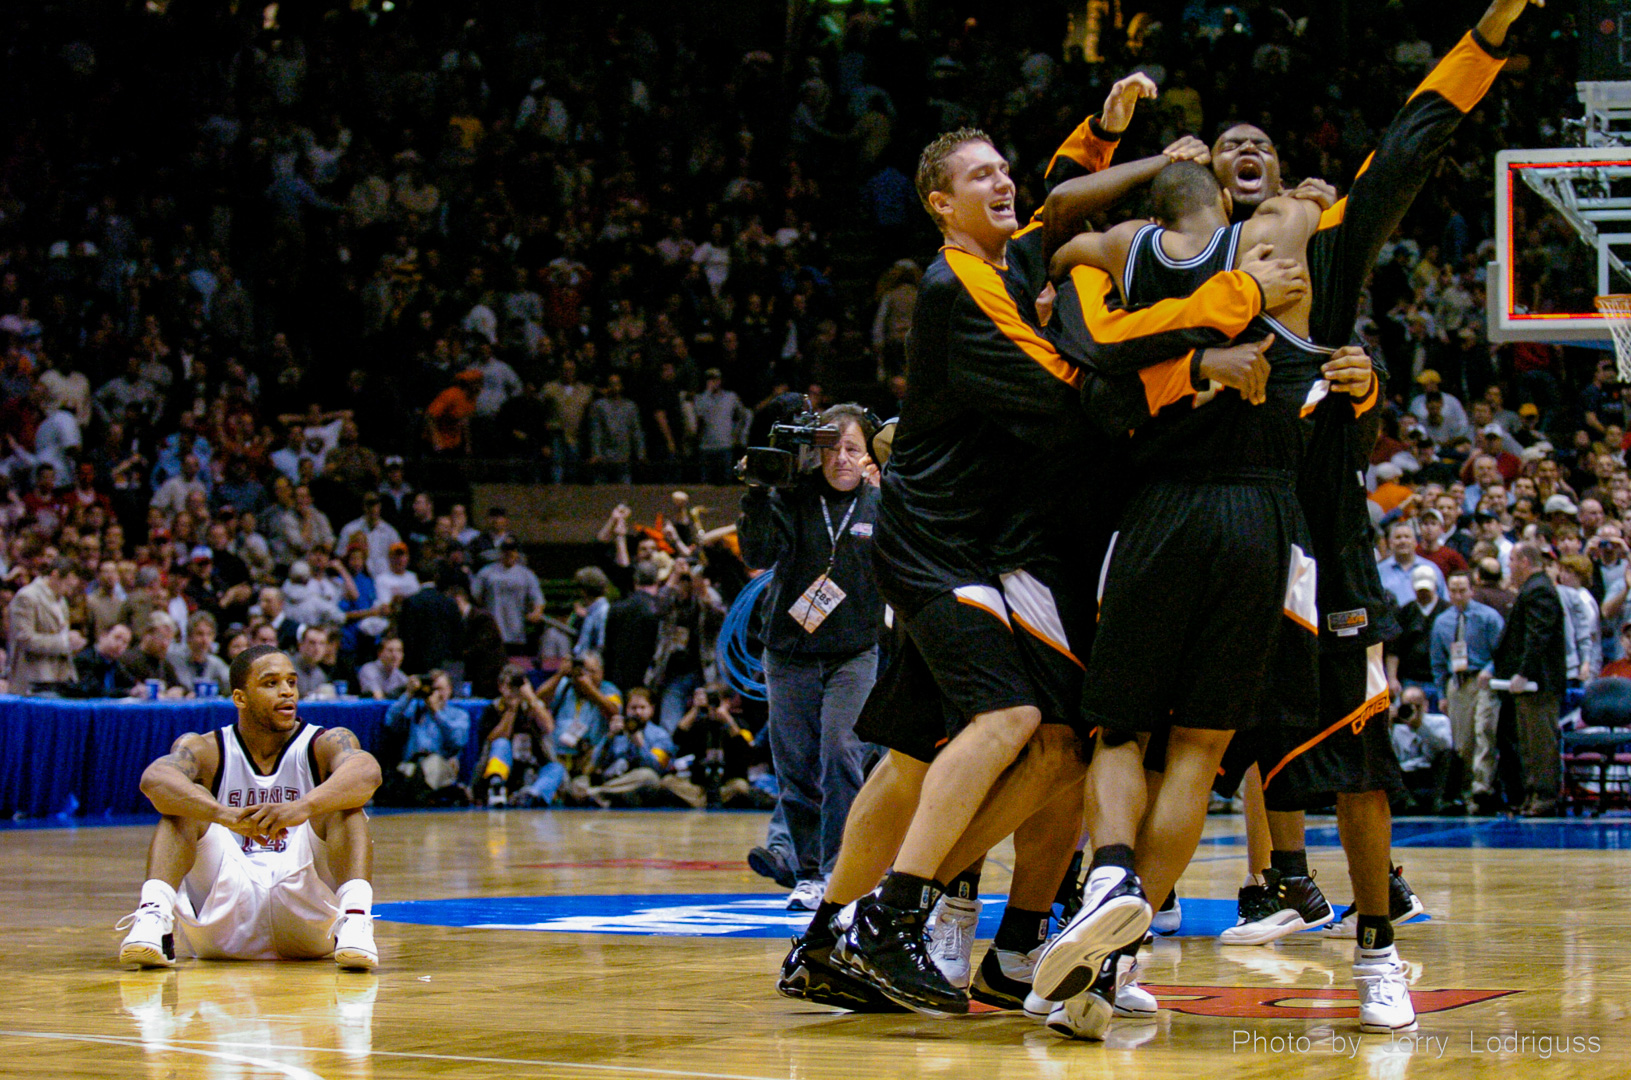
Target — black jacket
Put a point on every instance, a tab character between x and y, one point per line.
431	626
1532	643
1412	646
631	639
785	528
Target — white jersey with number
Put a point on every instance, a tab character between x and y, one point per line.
248	901
238	784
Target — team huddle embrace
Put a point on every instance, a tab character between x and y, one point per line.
1079	658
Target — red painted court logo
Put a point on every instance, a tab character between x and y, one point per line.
1293	1003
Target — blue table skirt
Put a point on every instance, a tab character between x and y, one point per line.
66	757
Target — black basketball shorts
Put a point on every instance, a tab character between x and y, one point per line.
1348	751
978	648
1206	598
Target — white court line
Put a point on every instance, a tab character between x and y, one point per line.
293	1072
296	1073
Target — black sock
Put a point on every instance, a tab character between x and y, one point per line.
1021	930
965	886
909	892
1375	932
820	928
1073	876
1113	855
1290	863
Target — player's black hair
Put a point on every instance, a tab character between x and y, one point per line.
1183	187
1227	124
238	673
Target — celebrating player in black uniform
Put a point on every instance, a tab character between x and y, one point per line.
1211	561
990	396
1350	758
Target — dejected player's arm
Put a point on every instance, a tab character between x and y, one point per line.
178	784
350	774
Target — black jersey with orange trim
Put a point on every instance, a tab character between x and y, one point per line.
1085	150
1355	609
989	393
1351	233
1186	429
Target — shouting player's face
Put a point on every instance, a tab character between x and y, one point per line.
979	200
268	700
1246	164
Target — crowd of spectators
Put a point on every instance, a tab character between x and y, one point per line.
269	304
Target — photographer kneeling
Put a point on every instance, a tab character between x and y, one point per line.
431	735
518	745
824	616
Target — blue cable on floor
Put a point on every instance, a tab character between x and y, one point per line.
739	666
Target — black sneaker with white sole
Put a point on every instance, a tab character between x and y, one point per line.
1402	902
885	947
1298	904
1114	913
1004	977
808	975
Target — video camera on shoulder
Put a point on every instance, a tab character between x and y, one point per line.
777	452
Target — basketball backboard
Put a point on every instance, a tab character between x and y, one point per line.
1563	237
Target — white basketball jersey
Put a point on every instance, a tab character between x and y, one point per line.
237	784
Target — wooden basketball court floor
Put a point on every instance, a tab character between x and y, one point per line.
645	968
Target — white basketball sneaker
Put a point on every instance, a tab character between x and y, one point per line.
951	939
1384	992
1114	913
354	948
151	941
1168	917
1132	1000
806	895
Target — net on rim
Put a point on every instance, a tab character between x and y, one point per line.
1616	310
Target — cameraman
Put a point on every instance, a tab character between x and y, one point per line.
431	735
517	744
821	631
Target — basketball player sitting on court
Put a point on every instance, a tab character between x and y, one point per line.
263	850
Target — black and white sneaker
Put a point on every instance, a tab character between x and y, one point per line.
1004	978
808	975
1255	903
1087	1015
1298	905
1114	913
885	946
1402	902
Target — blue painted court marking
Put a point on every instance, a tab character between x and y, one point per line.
717	915
1564	834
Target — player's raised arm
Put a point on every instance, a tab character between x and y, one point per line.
1089	148
178	784
1073	206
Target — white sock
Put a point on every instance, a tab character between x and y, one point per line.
159	894
356	895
